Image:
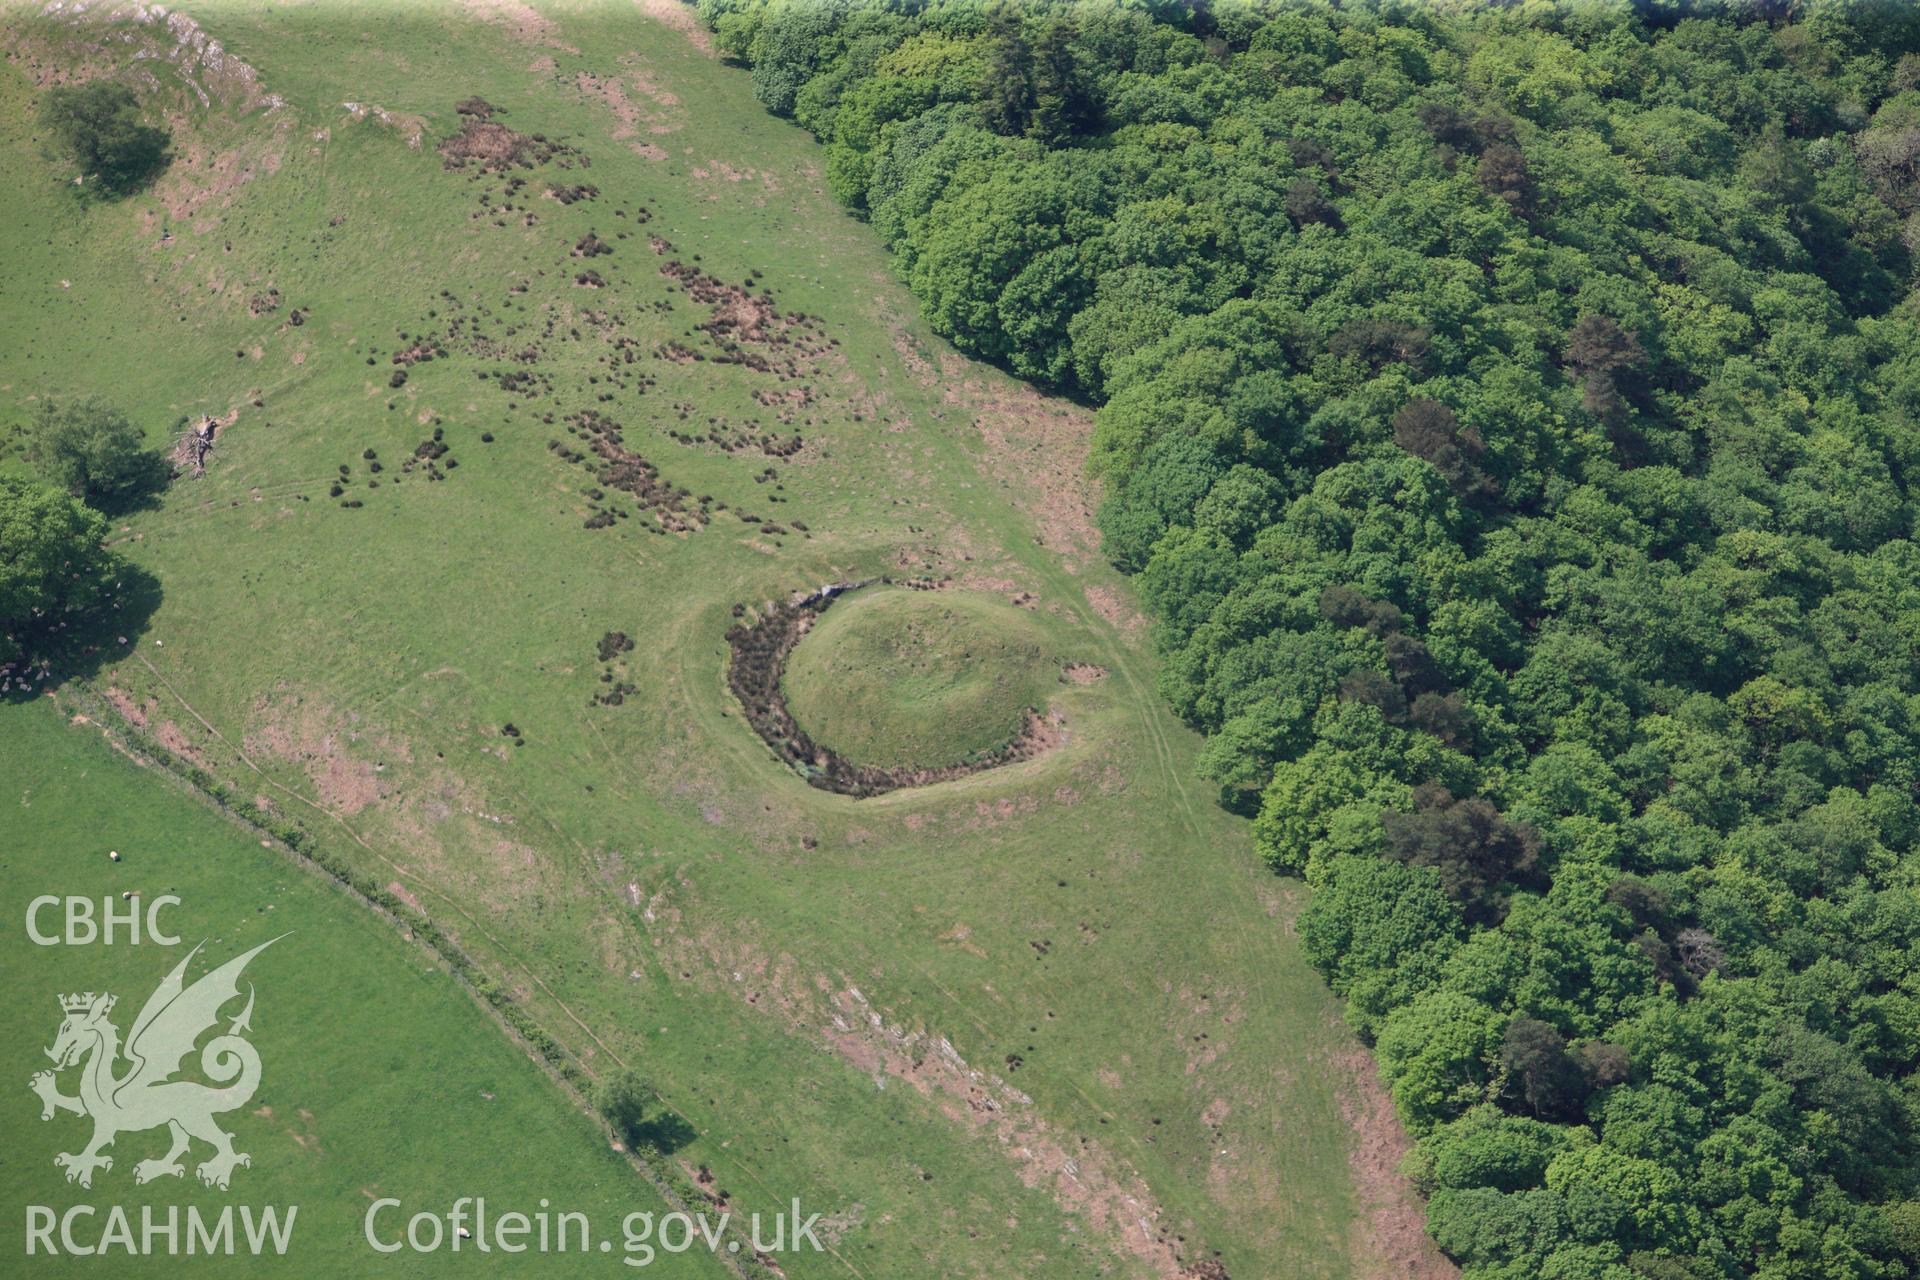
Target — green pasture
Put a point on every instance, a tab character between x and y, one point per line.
897	677
380	1076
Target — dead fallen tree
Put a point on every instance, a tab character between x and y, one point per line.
191	450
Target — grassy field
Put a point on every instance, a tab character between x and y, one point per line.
411	1092
1047	1020
899	677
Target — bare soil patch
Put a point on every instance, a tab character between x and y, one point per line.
1087	1179
1107	603
174	739
1036	446
203	177
720	170
522	21
494	148
133	712
412	128
638	102
338	755
918	366
681	18
345	785
1390	1232
1083	1177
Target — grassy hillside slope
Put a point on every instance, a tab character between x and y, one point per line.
379	1076
1047	1020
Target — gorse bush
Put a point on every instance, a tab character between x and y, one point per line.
1509	414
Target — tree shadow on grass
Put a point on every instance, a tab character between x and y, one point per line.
102	189
148	478
665	1133
85	646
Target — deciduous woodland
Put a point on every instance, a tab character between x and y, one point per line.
1509	413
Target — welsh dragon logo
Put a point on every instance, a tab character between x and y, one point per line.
144	1096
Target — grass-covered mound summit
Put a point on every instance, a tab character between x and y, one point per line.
923	679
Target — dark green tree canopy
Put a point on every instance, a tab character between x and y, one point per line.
1512	415
625	1099
54	572
98	127
89	448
